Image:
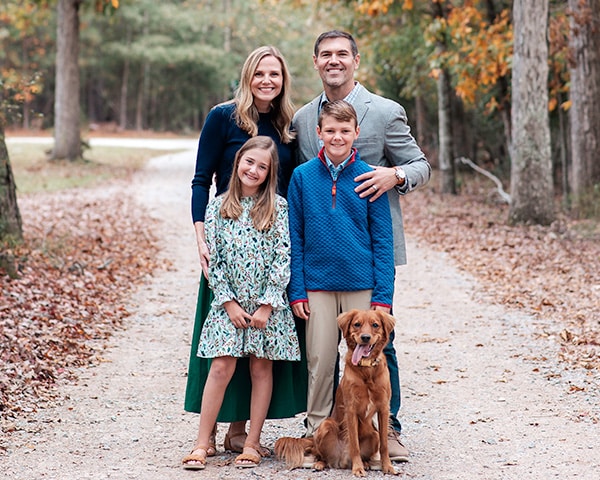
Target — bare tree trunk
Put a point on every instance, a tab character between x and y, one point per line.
532	191
565	163
123	102
420	120
67	141
446	153
227	28
142	94
139	107
445	138
10	217
26	115
585	97
503	85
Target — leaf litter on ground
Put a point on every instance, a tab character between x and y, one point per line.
85	250
548	272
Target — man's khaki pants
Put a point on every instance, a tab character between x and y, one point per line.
322	338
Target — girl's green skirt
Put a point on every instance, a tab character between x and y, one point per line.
290	379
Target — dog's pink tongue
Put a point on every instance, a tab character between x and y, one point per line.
359	352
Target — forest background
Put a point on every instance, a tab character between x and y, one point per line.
510	88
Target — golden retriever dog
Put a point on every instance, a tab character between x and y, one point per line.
349	438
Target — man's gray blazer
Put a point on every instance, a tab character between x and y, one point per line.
384	140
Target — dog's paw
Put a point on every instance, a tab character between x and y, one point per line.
319	466
389	469
359	472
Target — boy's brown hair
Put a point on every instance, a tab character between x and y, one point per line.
340	110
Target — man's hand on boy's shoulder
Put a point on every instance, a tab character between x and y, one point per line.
376	182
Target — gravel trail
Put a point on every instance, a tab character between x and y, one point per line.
483	395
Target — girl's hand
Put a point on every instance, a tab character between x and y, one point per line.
238	316
261	317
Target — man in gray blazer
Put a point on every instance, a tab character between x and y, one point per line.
385	142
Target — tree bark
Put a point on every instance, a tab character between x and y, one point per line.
67	139
585	99
446	153
10	217
532	190
123	100
420	118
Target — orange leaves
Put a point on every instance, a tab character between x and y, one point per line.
558	53
375	7
104	6
477	52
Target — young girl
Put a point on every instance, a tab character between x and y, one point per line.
247	234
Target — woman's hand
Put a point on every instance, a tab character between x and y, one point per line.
261	317
238	316
204	257
203	251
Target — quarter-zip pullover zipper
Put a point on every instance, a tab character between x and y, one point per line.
334	185
333	193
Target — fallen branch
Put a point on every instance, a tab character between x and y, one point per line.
505	196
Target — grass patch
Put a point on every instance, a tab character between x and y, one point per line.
34	173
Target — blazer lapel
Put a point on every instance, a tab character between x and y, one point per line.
311	126
362	104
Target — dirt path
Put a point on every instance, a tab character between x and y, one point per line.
482	396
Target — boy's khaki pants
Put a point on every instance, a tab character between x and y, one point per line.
322	339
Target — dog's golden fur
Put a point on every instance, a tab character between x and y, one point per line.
348	438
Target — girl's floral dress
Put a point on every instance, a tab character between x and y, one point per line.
253	268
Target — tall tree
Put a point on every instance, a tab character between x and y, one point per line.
10	218
585	98
531	186
446	144
67	142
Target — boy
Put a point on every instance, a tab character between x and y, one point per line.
342	249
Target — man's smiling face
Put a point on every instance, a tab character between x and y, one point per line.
335	63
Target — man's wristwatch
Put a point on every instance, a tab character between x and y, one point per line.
400	175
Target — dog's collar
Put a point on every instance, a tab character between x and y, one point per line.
369	362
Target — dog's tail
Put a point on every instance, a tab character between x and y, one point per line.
292	450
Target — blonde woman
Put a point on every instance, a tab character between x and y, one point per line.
261	106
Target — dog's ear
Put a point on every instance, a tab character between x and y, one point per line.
388	322
344	320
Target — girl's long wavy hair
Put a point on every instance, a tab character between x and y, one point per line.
246	115
263	212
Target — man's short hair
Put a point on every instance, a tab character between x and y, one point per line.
336	34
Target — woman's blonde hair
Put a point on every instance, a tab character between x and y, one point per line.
246	115
263	211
